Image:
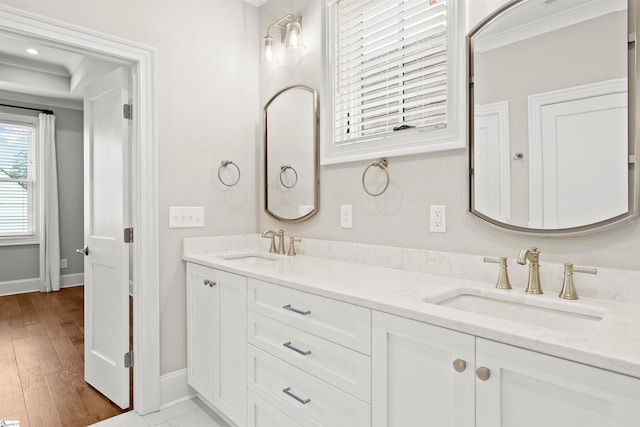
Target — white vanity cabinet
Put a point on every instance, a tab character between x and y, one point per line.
530	389
216	339
308	359
416	381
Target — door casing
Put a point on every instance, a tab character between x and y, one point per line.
144	182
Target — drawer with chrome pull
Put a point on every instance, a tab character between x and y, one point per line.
301	396
345	324
344	368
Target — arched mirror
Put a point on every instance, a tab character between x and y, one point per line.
291	154
551	115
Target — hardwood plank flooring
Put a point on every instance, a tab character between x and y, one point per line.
42	362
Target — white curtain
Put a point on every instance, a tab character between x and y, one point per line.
50	249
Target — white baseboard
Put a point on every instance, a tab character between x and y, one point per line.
174	388
13	287
71	280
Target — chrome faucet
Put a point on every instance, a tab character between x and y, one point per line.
533	256
270	234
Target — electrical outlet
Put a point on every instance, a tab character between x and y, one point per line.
438	219
186	217
63	263
346	216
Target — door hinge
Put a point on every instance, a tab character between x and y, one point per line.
128	360
128	235
127	111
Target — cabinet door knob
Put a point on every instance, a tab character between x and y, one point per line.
459	365
209	283
483	373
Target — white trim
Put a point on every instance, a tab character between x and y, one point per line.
536	103
174	389
556	21
24	286
69	104
142	60
450	138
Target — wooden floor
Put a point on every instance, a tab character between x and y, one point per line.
41	362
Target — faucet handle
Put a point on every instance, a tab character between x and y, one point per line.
568	289
503	278
270	234
292	247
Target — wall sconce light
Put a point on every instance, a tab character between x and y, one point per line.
290	34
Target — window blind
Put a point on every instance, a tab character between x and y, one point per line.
390	67
17	179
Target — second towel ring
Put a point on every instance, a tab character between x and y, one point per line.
283	169
224	164
382	164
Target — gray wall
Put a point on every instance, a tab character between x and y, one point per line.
22	262
400	217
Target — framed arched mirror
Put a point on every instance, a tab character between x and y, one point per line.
552	99
291	154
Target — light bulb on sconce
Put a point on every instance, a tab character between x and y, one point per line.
293	39
290	34
267	50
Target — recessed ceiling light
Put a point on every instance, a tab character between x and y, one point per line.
33	51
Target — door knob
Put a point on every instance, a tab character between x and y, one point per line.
483	373
84	251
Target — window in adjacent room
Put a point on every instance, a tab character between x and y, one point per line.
394	71
18	184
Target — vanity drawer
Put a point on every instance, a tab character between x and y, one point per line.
262	414
304	398
333	363
340	322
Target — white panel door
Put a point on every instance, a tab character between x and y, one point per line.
529	389
579	155
491	165
106	266
414	382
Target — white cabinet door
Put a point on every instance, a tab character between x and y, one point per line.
216	339
201	300
230	345
414	382
529	389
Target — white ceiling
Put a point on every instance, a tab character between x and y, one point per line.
256	3
55	73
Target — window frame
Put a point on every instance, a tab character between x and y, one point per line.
411	141
34	238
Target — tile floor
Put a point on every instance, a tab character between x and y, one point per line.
191	413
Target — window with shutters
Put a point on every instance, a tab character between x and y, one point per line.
395	72
18	184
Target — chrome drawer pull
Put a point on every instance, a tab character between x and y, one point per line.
295	310
297	350
288	393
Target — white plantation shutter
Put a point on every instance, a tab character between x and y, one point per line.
17	179
390	67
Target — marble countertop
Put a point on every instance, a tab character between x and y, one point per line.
612	343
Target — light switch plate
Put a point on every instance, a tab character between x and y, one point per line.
186	216
346	216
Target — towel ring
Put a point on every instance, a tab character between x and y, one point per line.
224	164
283	169
382	164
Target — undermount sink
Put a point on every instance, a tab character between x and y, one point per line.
561	316
251	257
